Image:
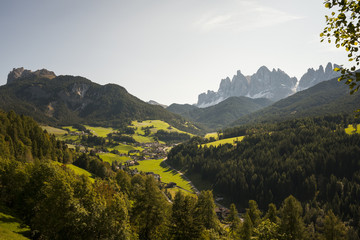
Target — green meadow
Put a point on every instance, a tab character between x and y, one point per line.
173	191
71	129
214	135
11	227
156	125
224	141
166	173
124	148
55	131
100	131
110	157
77	170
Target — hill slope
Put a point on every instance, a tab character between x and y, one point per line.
221	114
66	100
329	97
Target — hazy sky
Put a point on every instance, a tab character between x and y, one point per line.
164	50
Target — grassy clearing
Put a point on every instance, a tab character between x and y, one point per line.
100	131
167	174
157	125
214	135
110	157
55	131
11	227
77	170
74	138
351	130
173	191
224	141
142	139
71	129
62	134
123	148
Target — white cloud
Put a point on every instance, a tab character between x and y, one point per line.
244	16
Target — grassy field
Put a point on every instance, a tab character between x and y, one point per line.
224	141
100	131
55	131
11	227
214	135
167	175
110	157
142	139
157	125
77	170
123	148
62	134
71	129
173	191
351	130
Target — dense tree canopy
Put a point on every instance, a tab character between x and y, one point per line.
310	159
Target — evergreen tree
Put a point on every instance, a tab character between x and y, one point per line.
291	221
246	230
334	229
205	210
234	221
150	210
271	214
182	220
254	213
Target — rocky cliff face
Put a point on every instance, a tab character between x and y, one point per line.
313	77
273	85
20	73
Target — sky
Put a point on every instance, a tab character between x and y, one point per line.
169	51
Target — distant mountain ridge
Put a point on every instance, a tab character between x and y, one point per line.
273	85
152	102
220	115
326	98
62	100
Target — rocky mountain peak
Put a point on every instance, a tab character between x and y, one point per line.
20	73
313	77
263	70
273	85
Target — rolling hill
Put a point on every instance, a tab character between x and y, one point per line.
67	100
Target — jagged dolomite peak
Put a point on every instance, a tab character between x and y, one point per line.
313	77
273	85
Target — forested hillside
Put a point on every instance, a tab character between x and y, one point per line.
56	203
312	159
67	100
